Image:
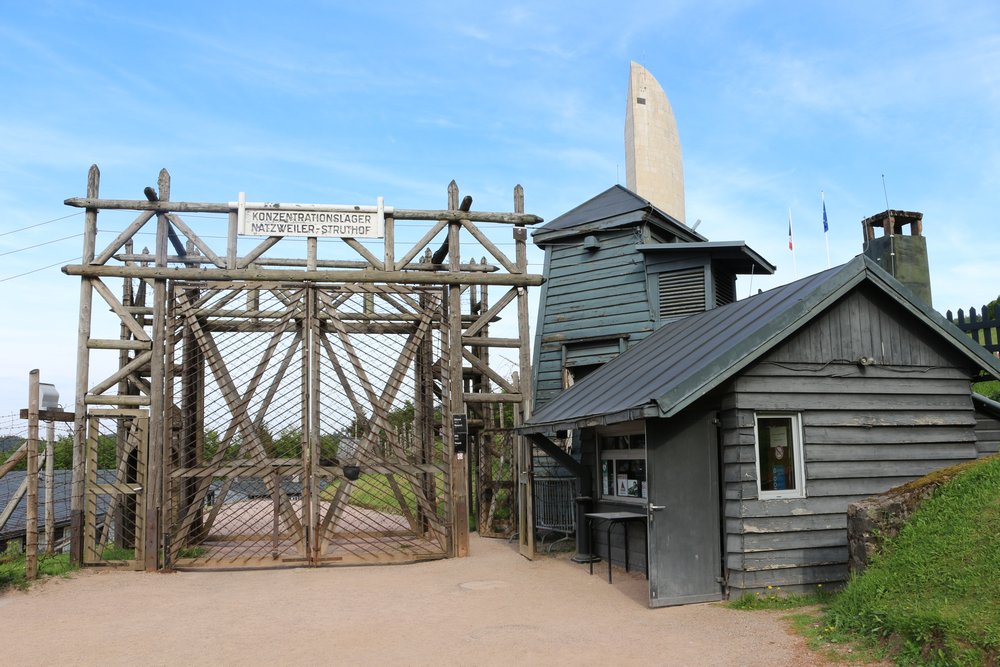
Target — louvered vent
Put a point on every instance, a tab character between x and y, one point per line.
682	292
725	288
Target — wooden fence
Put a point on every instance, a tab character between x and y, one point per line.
980	327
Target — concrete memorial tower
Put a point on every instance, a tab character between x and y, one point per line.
653	167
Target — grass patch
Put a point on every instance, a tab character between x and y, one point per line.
989	389
933	594
117	553
12	568
773	598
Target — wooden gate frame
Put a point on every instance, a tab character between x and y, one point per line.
139	381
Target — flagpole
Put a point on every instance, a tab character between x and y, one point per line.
826	229
791	245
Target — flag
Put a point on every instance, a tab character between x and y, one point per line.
791	246
826	228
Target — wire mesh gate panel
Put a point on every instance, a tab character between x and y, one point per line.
116	451
496	475
303	428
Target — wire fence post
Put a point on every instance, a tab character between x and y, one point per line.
31	511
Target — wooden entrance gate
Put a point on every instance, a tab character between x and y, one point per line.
320	405
302	427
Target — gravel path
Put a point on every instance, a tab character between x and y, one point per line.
493	608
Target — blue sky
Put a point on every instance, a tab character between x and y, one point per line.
343	102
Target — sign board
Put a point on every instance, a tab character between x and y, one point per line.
460	433
310	220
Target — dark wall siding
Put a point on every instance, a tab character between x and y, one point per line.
987	433
589	294
866	430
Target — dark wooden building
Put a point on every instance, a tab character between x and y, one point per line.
744	431
617	268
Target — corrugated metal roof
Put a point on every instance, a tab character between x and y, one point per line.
683	360
615	202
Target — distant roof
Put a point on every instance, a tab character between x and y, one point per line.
61	488
740	257
614	207
683	360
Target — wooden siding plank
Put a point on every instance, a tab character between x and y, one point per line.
596	326
585	271
553	319
797	523
605	283
887	386
783	558
815	453
850	435
755	542
807	576
592	299
849	371
867	486
835	471
569	255
859	401
875	418
793	506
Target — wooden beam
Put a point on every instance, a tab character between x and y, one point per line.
318	276
486	317
205	207
126	317
196	240
13	460
118	344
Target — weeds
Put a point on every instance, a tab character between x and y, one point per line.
13	567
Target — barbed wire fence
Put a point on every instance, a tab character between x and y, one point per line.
55	461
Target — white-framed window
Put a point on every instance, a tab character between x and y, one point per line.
622	467
780	466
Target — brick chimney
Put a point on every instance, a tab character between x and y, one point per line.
905	257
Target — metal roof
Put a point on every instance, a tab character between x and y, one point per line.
683	360
614	207
737	254
61	487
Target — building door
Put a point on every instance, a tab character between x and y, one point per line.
684	554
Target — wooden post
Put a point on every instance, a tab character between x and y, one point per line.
31	514
50	508
311	432
312	248
124	529
523	382
159	423
231	239
460	463
83	371
390	243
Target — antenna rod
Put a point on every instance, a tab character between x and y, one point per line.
884	192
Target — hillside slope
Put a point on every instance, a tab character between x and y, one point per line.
934	591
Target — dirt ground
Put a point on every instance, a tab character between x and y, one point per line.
493	608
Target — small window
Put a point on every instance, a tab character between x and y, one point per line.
623	468
780	471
